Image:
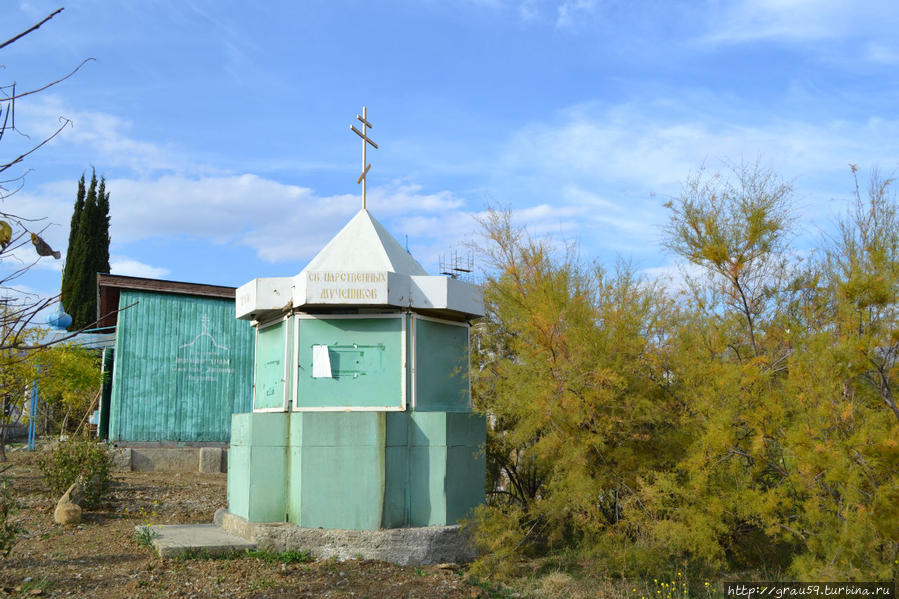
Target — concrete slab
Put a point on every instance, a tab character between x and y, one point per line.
185	539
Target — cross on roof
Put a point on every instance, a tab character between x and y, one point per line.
365	141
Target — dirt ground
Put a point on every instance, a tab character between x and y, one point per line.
101	557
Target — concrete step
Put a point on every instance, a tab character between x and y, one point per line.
175	540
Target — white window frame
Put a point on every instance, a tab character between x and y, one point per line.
416	317
288	331
296	366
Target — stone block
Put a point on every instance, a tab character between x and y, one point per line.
121	459
211	460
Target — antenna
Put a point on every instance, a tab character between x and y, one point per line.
457	266
365	141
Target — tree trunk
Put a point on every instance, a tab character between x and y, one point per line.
4	421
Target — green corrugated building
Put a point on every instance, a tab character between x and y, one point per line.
182	364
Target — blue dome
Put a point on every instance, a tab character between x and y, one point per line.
59	319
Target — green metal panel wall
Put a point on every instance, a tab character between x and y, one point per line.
183	365
366	362
270	384
357	470
441	367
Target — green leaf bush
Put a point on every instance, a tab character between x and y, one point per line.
8	529
78	459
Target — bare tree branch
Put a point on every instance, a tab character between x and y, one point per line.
34	28
69	336
65	122
16	96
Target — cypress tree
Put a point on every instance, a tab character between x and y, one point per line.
88	253
103	227
70	255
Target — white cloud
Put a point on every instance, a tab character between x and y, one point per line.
564	14
123	265
528	10
303	229
569	11
799	20
883	53
277	221
552	170
106	136
646	148
674	276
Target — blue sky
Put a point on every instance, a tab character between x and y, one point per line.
223	127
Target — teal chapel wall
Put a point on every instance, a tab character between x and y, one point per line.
441	367
270	384
366	362
357	470
171	381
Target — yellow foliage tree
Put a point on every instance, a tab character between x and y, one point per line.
566	357
70	380
746	421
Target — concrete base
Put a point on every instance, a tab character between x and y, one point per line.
415	546
208	460
192	539
362	470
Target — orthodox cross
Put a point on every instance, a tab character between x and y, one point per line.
365	142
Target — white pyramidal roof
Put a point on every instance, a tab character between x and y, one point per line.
362	266
365	245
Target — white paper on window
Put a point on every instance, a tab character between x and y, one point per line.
321	362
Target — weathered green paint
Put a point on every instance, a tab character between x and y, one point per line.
294	483
361	469
447	428
357	470
441	367
447	466
267	430
239	478
465	472
341	469
270	384
258	490
366	362
257	466
396	486
172	381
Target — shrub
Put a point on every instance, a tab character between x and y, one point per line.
8	530
78	459
145	536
